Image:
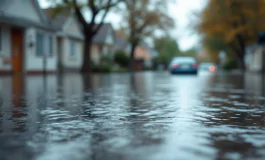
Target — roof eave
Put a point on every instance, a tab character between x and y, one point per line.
26	23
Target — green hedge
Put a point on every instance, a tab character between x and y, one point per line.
121	58
230	64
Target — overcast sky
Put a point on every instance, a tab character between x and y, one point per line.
181	11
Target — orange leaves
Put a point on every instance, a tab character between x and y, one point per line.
144	16
232	33
229	18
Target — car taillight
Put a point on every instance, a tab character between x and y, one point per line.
212	68
176	66
195	66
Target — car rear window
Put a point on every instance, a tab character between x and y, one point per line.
184	60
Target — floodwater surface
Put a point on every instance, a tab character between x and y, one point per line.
144	116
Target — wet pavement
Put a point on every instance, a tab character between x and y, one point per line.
145	116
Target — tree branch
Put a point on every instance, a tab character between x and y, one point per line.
110	4
79	14
107	9
93	7
100	24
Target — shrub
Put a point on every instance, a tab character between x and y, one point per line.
105	60
121	58
104	66
230	64
121	69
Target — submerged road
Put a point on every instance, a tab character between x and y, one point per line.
145	116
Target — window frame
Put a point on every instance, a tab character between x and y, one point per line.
39	44
72	49
1	39
44	43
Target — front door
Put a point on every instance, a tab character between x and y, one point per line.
17	50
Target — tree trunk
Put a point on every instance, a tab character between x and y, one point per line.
242	65
241	53
87	63
241	62
132	58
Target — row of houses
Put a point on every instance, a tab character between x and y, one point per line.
33	40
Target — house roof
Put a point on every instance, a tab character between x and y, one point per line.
3	3
103	33
40	11
121	42
144	45
58	19
23	22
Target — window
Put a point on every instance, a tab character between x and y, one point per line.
40	44
72	49
44	45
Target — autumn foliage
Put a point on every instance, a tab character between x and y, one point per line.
231	25
142	18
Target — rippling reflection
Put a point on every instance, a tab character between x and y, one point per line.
132	116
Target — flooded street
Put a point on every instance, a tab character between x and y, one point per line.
145	116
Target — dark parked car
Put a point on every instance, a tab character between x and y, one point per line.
183	65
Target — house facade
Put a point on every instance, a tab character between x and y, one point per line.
103	43
69	40
253	57
27	39
143	56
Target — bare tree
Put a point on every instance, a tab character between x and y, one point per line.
143	18
97	9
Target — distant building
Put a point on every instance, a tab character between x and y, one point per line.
253	57
143	56
27	39
122	44
103	43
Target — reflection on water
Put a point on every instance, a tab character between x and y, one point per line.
132	116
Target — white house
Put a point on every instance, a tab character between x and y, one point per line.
253	57
69	39
27	39
103	43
